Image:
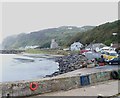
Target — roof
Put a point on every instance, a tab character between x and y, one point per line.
112	51
100	45
116	45
106	48
78	43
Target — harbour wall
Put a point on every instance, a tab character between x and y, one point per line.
58	83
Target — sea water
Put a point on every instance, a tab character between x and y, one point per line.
25	67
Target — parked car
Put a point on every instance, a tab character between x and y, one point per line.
113	61
83	51
108	55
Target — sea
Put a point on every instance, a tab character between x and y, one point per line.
16	67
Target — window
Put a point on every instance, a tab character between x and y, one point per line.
113	54
107	53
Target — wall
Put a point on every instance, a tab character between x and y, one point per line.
50	85
21	88
99	77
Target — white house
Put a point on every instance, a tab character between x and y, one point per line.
107	49
76	46
29	47
95	46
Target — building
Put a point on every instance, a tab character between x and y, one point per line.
53	44
76	46
107	49
28	47
115	45
96	46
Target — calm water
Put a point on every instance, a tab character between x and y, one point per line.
17	69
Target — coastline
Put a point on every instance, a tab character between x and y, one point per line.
29	59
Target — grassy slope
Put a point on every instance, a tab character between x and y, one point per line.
100	34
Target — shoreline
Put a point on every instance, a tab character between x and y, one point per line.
40	56
65	63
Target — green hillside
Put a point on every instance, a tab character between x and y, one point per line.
43	38
100	34
66	35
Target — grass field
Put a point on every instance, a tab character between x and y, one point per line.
48	51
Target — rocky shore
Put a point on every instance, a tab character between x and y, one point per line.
11	51
70	63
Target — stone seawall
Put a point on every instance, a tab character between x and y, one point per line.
44	85
64	82
11	51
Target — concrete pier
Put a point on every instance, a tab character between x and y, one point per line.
106	88
71	80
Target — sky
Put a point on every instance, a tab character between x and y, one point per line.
25	17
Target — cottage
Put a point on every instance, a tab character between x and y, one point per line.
30	47
115	45
76	46
107	49
96	46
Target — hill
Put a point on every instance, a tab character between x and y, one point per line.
100	34
43	38
65	35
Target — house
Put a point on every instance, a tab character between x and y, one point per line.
29	47
115	45
96	46
54	44
76	46
107	49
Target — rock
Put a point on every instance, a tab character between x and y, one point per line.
48	76
71	62
11	51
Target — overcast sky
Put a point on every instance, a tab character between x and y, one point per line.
26	17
